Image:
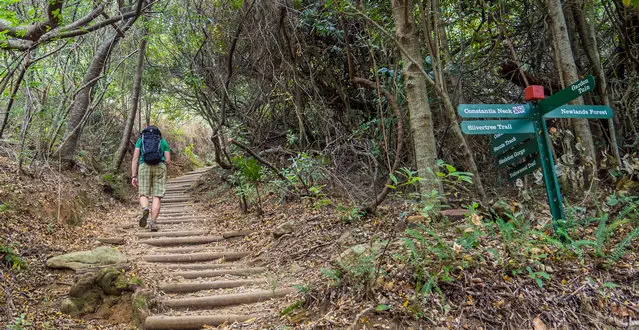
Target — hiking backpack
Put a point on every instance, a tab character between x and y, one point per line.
151	139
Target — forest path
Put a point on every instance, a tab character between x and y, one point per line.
200	272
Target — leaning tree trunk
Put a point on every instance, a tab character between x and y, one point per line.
589	43
135	104
421	119
569	71
82	99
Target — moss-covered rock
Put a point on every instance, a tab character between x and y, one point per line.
101	256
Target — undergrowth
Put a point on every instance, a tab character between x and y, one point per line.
431	256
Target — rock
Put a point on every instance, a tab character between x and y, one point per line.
140	300
112	282
97	257
68	306
354	254
283	229
416	219
346	239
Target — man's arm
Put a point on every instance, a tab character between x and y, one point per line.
167	157
134	167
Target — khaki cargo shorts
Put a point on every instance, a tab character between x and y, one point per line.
152	180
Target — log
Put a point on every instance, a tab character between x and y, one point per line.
188	249
175	200
194	257
112	240
187	322
176	221
237	233
181	240
172	234
214	273
199	266
199	286
228	299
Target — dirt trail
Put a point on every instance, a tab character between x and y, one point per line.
200	271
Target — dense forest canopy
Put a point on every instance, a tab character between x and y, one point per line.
361	88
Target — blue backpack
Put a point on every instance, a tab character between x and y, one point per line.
151	139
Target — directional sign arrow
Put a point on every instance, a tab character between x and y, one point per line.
567	94
518	153
581	111
523	169
504	142
497	126
494	110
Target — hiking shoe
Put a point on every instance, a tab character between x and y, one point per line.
153	226
145	215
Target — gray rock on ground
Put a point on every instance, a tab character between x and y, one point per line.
100	256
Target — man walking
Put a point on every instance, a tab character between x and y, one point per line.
151	156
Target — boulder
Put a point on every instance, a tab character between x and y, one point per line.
283	229
100	256
91	290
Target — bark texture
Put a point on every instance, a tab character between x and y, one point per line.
135	104
570	75
82	100
421	119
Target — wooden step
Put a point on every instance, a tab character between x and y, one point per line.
188	322
172	234
227	299
200	266
187	249
176	221
199	286
195	257
220	272
182	240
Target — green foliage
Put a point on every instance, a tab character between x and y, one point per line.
538	276
333	275
19	323
191	156
305	173
10	258
350	214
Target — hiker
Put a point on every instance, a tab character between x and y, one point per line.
152	154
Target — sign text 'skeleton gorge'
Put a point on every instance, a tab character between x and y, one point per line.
523	143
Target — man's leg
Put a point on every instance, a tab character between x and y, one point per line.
159	183
144	190
155	208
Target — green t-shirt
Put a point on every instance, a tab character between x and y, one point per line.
164	147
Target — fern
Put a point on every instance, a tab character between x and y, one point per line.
601	235
620	249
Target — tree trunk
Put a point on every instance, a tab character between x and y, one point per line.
569	72
128	126
589	43
421	119
82	99
440	51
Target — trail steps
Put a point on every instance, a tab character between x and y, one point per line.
206	280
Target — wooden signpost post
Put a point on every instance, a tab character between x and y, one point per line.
521	141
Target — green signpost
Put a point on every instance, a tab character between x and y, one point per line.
497	126
522	143
504	142
518	153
